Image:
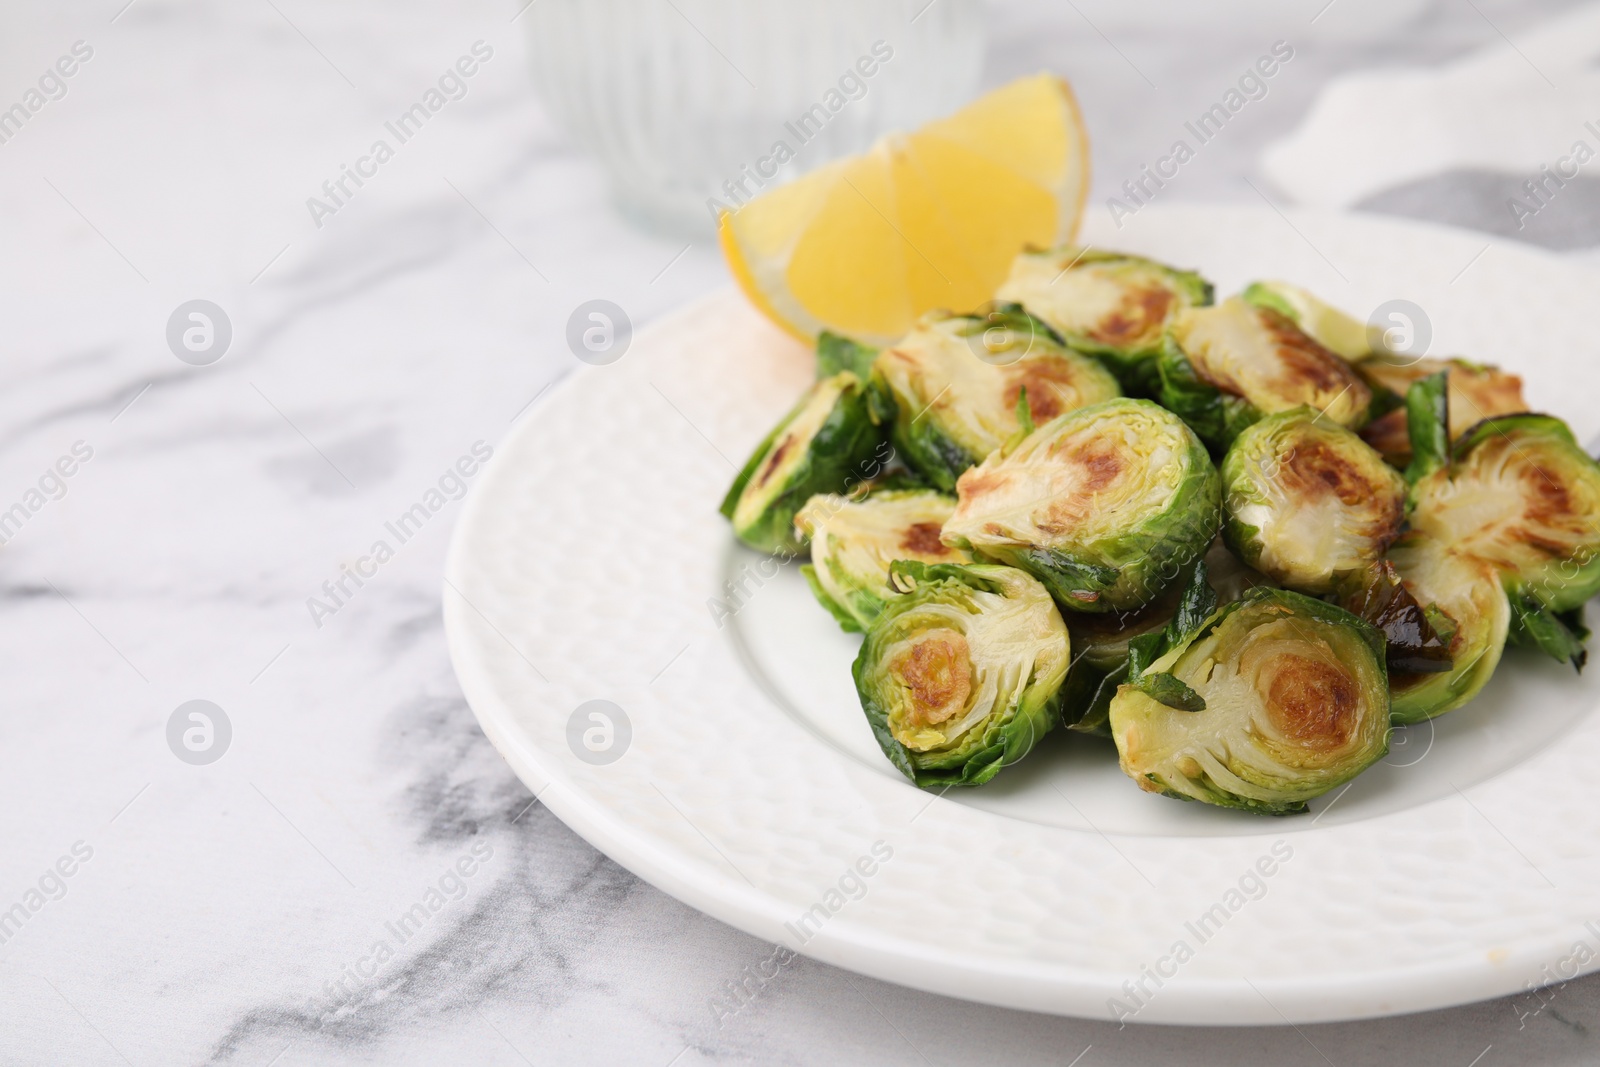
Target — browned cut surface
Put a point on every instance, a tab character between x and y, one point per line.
1304	360
1313	703
1099	464
923	539
1141	312
976	482
1317	468
1046	380
1389	435
773	460
1476	395
1551	518
937	676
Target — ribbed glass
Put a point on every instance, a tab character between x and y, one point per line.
682	98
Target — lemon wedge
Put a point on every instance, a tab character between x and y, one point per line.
930	219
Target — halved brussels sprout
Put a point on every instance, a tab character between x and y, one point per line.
1293	701
1478	391
1327	325
1520	494
1109	304
961	674
1224	367
822	446
1307	501
853	542
1107	505
1477	616
955	381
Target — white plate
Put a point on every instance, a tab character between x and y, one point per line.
751	788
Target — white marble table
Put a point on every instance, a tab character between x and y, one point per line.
233	912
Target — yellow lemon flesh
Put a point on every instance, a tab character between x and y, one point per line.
923	220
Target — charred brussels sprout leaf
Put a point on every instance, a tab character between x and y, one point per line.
1224	367
836	353
1521	495
828	443
853	542
955	380
1308	502
1296	703
1477	392
1107	505
1108	304
1380	596
1105	647
1476	619
961	674
1331	328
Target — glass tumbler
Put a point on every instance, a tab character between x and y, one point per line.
694	105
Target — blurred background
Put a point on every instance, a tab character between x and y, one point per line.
369	316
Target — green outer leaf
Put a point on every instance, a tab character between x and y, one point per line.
1062	574
1504	425
1428	425
1215	417
1559	635
1170	690
1264	296
920	573
836	457
836	353
1086	698
1024	412
1014	317
1384	399
1195	608
927	449
847	622
1001	744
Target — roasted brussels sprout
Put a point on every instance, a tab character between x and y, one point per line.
853	542
1327	325
1519	493
1109	304
961	674
1478	391
1307	501
825	444
955	381
1276	699
1107	505
1224	367
1475	618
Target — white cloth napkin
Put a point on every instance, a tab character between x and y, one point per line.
1505	140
